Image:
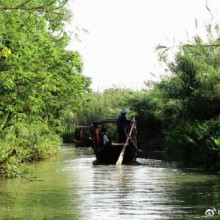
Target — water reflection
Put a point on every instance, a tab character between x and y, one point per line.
152	190
70	186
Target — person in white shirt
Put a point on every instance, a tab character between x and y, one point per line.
105	139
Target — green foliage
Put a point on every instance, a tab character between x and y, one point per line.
194	144
40	79
217	143
24	143
97	106
182	109
148	107
194	79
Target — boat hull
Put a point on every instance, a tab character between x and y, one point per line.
110	154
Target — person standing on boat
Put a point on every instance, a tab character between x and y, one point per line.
122	125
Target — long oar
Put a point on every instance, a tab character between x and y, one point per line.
121	156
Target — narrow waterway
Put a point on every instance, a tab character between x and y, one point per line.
71	186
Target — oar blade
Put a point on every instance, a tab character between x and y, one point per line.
121	156
120	159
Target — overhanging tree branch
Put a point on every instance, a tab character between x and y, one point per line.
23	6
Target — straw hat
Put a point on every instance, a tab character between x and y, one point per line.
125	111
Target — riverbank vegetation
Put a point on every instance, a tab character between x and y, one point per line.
184	106
44	94
179	114
40	79
97	106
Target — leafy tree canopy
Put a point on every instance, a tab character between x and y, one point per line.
39	77
39	80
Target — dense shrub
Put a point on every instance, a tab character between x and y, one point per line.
30	142
194	144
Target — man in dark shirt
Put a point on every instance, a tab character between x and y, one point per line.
122	124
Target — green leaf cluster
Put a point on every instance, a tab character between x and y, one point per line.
40	78
180	113
107	104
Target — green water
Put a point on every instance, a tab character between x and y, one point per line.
70	186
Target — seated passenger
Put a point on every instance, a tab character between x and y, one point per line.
105	139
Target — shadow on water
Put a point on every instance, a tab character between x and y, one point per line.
71	186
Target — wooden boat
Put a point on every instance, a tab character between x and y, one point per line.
82	136
113	151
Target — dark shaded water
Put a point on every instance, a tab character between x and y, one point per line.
70	186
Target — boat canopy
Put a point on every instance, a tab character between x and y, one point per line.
103	121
